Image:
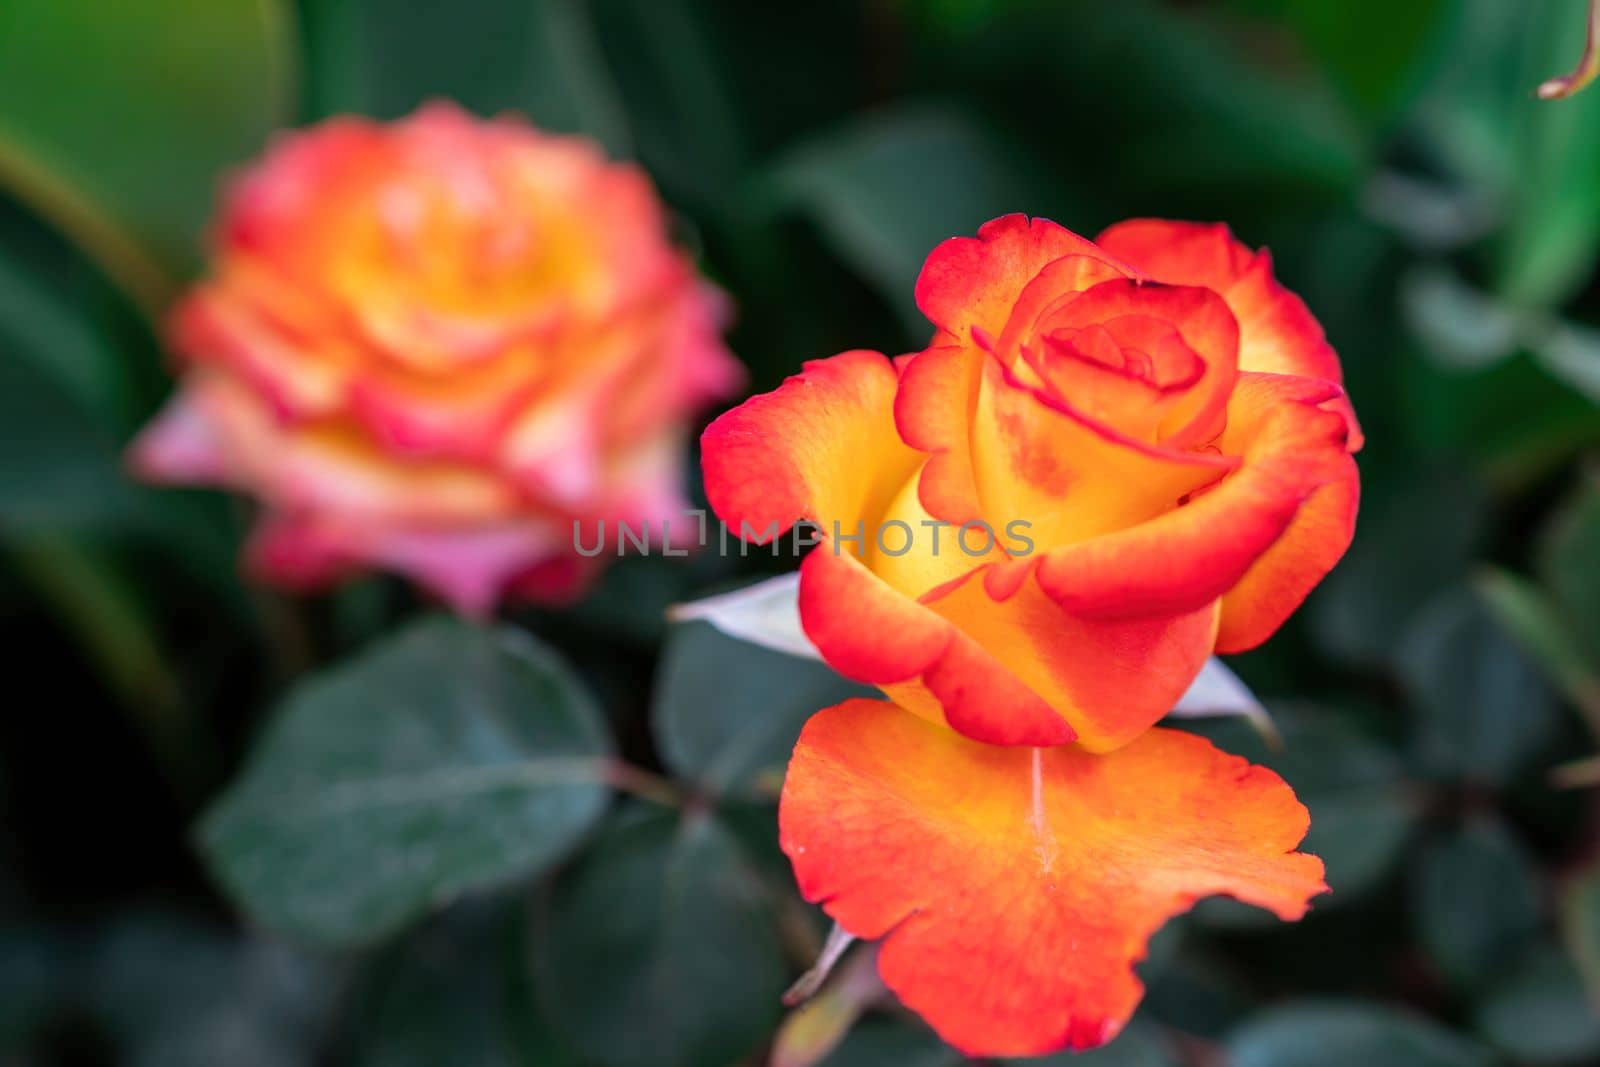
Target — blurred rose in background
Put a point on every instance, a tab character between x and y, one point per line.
431	346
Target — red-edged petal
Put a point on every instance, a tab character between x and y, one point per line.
1290	445
1282	578
970	282
1277	333
1059	279
1204	323
822	446
932	411
1180	253
1110	679
872	633
1015	889
302	377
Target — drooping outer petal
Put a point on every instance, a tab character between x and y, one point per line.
1014	889
1277	332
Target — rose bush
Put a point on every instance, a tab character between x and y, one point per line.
1148	443
433	345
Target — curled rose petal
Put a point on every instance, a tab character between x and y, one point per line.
972	282
1014	889
1290	447
1277	333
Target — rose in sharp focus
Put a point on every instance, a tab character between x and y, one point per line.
431	346
1114	458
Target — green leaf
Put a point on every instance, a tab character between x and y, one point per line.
1475	901
1580	925
1343	1033
61	317
1540	1013
1569	353
444	994
1550	247
884	190
65	359
59	466
447	760
117	120
1535	622
1568	560
1196	991
1461	327
1485	709
727	712
672	72
665	925
1533	159
1155	105
174	992
1373	68
32	973
78	370
1512	419
632	598
383	58
1414	539
93	599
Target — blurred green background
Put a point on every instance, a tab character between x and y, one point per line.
162	900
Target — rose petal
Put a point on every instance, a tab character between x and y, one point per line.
1289	446
1277	333
1110	679
1202	320
931	412
970	282
1014	889
871	633
468	568
1071	477
180	446
821	446
1279	582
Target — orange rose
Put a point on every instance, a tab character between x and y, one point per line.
1115	458
1146	442
432	346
